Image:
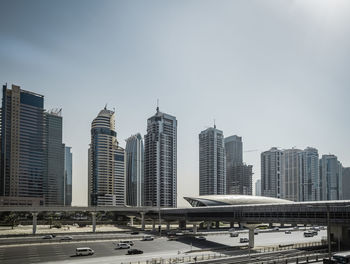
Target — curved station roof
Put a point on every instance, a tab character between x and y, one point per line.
217	200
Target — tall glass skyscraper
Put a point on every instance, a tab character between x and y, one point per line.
68	170
22	147
134	170
271	162
331	179
212	169
106	163
160	175
54	153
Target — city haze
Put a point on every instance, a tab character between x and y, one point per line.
274	73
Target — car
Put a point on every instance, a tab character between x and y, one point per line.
243	240
131	243
172	238
147	238
48	237
256	232
66	238
134	251
234	234
308	234
288	232
84	251
316	228
276	228
122	246
134	233
340	257
314	233
201	238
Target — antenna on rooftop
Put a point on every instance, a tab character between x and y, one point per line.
214	123
157	105
106	106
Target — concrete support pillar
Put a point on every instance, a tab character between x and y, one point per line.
131	220
142	220
167	226
201	225
93	215
182	224
232	224
35	218
217	224
208	225
251	236
153	225
194	229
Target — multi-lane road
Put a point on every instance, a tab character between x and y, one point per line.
105	252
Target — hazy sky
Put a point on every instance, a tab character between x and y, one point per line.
276	73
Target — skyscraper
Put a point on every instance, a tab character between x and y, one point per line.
308	175
238	174
22	147
330	178
134	170
290	180
53	183
106	163
212	170
258	187
234	150
68	171
271	173
346	183
160	164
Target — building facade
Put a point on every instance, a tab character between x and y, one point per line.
271	173
68	175
134	170
212	168
258	187
238	175
22	146
309	187
106	163
290	180
160	161
346	183
330	178
53	183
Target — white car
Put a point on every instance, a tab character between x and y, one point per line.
147	238
66	238
84	251
122	246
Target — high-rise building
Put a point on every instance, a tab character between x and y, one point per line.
212	169
271	173
68	173
290	180
106	163
53	181
22	147
160	163
308	175
134	170
238	175
330	178
258	187
234	150
346	183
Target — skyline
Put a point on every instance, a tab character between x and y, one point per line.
201	61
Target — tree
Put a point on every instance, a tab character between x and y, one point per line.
12	219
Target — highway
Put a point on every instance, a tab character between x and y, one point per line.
64	252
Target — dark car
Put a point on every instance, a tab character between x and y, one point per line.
134	233
134	251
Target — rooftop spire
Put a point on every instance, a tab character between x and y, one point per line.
157	106
214	123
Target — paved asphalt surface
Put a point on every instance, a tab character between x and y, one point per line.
105	252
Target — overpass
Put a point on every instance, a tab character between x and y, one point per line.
334	214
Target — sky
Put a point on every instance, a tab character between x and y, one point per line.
276	73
